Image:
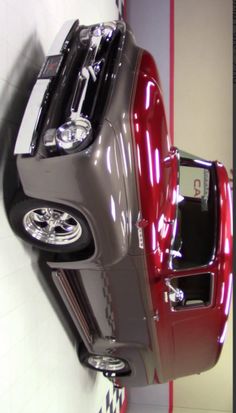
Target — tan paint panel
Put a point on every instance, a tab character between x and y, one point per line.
203	125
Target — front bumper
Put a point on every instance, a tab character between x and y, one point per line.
75	81
25	142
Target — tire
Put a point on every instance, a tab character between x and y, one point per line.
49	226
107	364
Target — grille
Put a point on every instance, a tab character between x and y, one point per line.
84	82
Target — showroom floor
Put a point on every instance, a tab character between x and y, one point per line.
39	370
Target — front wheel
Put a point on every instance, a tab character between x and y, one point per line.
105	363
49	226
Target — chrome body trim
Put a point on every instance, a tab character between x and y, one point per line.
24	143
72	305
60	38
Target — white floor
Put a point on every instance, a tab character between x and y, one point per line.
39	370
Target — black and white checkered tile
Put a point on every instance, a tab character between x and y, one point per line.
108	303
121	8
114	401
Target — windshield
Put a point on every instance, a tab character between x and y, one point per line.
195	231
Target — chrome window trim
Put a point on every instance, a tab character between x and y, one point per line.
209	167
170	259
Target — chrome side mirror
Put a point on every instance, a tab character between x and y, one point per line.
176	295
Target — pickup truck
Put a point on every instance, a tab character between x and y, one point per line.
139	233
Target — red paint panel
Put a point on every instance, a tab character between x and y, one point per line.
157	173
155	161
225	246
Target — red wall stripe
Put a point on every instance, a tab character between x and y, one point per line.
172	52
125	10
171	106
171	396
125	403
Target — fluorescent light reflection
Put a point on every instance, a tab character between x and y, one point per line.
130	159
148	92
226	249
161	222
222	293
149	157
123	223
157	165
113	208
230	208
205	163
109	159
154	239
139	159
228	299
222	338
174	197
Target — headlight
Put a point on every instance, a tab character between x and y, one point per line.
74	135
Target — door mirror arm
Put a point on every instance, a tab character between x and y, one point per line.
176	295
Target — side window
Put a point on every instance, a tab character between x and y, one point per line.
195	230
190	291
194	182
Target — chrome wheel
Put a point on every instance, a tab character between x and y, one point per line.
52	226
106	363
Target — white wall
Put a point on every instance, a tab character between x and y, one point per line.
39	370
154	395
146	408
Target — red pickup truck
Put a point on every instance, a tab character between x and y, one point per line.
139	233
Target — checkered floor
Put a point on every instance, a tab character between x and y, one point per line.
121	7
114	402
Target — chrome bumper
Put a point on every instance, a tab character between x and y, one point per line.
25	140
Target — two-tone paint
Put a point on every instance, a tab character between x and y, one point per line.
126	185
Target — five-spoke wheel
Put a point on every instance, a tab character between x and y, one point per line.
49	226
110	365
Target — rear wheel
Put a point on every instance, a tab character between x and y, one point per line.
50	226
